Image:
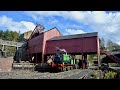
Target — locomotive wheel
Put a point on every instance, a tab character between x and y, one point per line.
67	69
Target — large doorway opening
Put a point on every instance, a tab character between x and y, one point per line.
39	57
36	58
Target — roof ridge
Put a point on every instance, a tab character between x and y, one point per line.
53	28
75	36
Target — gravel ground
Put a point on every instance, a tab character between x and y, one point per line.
79	75
72	74
20	74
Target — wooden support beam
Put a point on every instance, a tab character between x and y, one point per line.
85	60
98	52
42	58
82	61
36	59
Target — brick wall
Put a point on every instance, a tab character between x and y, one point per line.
6	64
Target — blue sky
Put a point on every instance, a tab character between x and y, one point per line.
68	22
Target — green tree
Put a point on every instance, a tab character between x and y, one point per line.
15	36
7	35
1	34
10	36
112	46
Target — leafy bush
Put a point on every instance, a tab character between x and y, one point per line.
110	75
95	75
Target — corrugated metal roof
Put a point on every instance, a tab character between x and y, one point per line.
75	36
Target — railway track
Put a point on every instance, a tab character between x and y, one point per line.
81	75
72	74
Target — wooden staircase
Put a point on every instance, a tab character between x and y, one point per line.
113	57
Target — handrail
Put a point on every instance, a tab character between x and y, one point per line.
10	43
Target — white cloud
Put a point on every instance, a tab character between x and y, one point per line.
21	26
96	20
73	26
28	25
44	13
72	31
54	21
118	42
4	20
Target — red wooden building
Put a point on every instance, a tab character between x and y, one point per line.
46	43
